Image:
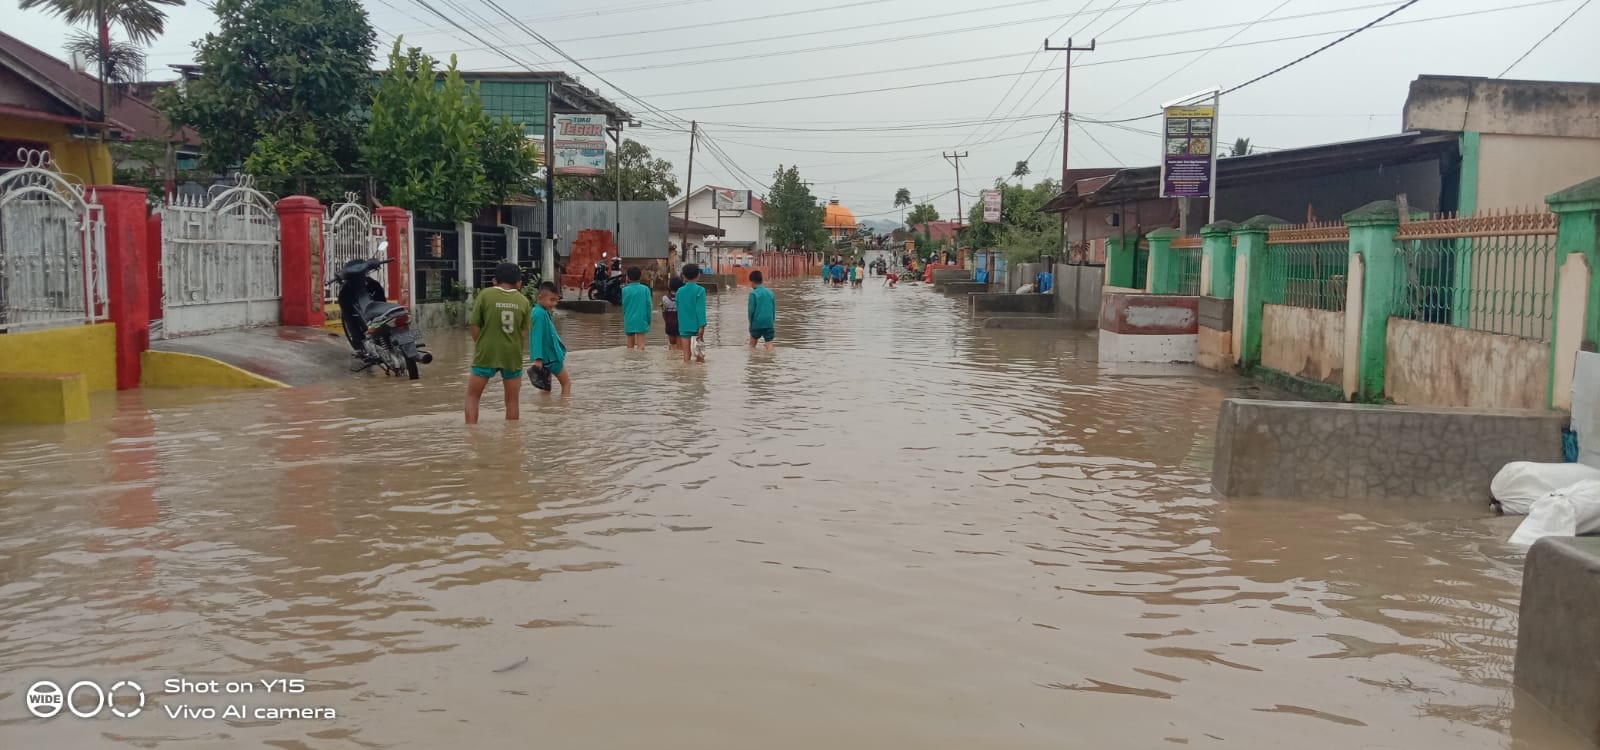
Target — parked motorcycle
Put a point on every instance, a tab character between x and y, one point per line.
379	331
608	281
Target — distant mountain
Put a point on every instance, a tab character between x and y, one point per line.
881	226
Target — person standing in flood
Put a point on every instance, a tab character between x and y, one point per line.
549	355
498	324
636	310
692	314
763	311
669	312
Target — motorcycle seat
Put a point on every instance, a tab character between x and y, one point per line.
376	309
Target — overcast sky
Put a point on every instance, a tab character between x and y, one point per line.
953	64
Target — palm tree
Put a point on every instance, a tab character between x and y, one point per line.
902	198
1241	147
1020	171
140	20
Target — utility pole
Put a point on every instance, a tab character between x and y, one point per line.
956	160
547	254
1066	119
688	196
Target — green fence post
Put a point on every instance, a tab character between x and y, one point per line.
1577	211
1119	260
1163	266
1372	230
1250	289
1217	254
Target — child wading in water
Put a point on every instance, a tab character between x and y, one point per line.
763	310
635	309
692	314
499	322
549	355
669	312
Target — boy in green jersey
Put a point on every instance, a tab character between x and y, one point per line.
763	311
692	314
544	344
498	324
635	309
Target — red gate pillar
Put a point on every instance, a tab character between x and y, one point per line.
127	285
152	265
300	243
397	232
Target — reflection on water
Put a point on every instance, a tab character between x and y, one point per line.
895	531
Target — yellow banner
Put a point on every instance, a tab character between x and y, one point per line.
1191	111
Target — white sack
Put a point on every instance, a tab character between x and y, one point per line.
1519	483
1569	511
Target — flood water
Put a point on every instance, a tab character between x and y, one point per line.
896	531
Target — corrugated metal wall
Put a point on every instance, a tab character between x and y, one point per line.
644	224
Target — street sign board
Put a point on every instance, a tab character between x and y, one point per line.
580	145
724	199
1189	153
991	206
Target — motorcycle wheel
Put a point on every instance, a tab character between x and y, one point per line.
411	368
593	295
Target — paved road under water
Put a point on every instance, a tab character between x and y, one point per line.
897	531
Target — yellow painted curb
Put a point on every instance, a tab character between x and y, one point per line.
178	370
43	398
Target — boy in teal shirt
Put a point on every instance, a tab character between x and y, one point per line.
498	323
544	344
763	310
635	309
692	313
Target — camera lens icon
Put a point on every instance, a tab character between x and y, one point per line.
46	699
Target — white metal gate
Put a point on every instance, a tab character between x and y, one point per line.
219	260
350	233
52	248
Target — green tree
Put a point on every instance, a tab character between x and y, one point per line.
432	147
275	66
295	151
1020	171
644	178
793	218
902	198
1024	232
1241	147
921	214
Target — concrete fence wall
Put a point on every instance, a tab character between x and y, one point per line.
1439	364
1304	342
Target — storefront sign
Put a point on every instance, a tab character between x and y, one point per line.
580	145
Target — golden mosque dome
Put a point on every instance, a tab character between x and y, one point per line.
836	216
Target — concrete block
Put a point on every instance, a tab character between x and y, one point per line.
942	275
1029	304
713	287
1135	347
590	306
1558	658
1305	450
1149	314
1030	323
1216	314
43	398
1215	349
961	287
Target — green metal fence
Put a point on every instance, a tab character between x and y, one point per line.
1490	273
1307	266
1186	264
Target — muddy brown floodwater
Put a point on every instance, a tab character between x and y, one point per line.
896	531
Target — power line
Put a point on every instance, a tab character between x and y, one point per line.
851	75
1202	56
1026	67
1102	146
1536	45
1311	35
593	13
725	21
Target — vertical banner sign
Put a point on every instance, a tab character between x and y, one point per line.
580	146
991	206
1189	151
